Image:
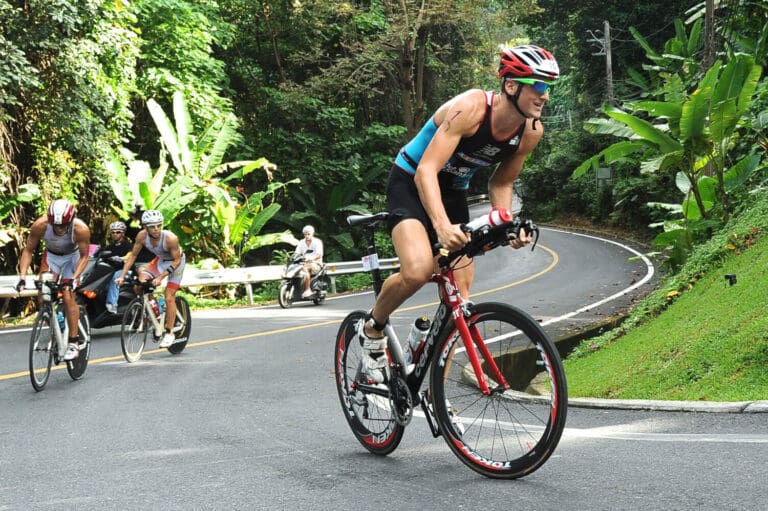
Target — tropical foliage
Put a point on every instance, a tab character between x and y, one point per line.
119	103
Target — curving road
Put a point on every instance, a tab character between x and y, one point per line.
247	417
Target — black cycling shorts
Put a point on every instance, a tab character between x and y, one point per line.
404	202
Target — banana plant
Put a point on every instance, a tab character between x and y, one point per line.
690	137
191	186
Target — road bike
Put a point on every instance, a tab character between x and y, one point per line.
497	390
50	336
145	316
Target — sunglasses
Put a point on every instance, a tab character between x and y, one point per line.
117	232
537	85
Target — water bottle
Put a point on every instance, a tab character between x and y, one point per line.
62	323
161	304
496	216
416	338
155	307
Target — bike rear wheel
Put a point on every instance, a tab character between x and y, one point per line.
134	330
182	326
41	348
76	367
513	431
369	415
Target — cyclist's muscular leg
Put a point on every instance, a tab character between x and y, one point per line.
416	266
72	312
170	308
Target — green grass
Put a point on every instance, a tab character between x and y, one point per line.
697	338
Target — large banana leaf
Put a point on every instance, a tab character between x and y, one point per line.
645	130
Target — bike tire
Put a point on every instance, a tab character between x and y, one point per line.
285	295
184	323
511	432
41	347
77	367
134	330
369	416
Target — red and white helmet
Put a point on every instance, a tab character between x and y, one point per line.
61	212
528	61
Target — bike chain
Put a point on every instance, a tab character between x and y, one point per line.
400	399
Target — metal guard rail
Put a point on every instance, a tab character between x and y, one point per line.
194	277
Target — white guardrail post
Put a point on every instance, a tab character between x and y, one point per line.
194	277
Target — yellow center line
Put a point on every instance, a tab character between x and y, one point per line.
252	335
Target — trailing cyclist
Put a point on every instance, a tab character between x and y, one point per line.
169	262
427	189
67	240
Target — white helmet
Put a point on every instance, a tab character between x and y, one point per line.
151	216
308	229
117	226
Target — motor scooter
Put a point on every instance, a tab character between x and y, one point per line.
292	285
92	290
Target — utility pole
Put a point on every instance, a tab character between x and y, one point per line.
604	45
608	66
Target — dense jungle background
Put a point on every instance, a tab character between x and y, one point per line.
243	120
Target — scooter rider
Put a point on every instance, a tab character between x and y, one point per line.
67	240
312	250
169	261
119	246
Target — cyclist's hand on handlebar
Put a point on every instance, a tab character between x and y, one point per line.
21	285
452	238
525	238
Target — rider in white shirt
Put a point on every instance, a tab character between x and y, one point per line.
312	250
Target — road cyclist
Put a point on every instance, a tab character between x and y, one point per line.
169	262
67	243
496	391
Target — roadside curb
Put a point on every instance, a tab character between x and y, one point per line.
671	406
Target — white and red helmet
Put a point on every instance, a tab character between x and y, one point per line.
528	61
60	212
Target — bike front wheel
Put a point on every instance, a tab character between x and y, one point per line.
370	416
76	367
514	429
41	348
133	331
285	295
181	326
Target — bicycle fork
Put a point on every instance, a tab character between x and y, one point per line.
473	342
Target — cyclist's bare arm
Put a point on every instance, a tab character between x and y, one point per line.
130	257
459	117
83	241
36	233
502	183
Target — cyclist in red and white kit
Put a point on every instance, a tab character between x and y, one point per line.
427	189
67	240
169	262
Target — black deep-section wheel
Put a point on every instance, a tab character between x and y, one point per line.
182	326
512	431
76	368
369	415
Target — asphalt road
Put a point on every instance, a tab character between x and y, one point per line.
248	417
